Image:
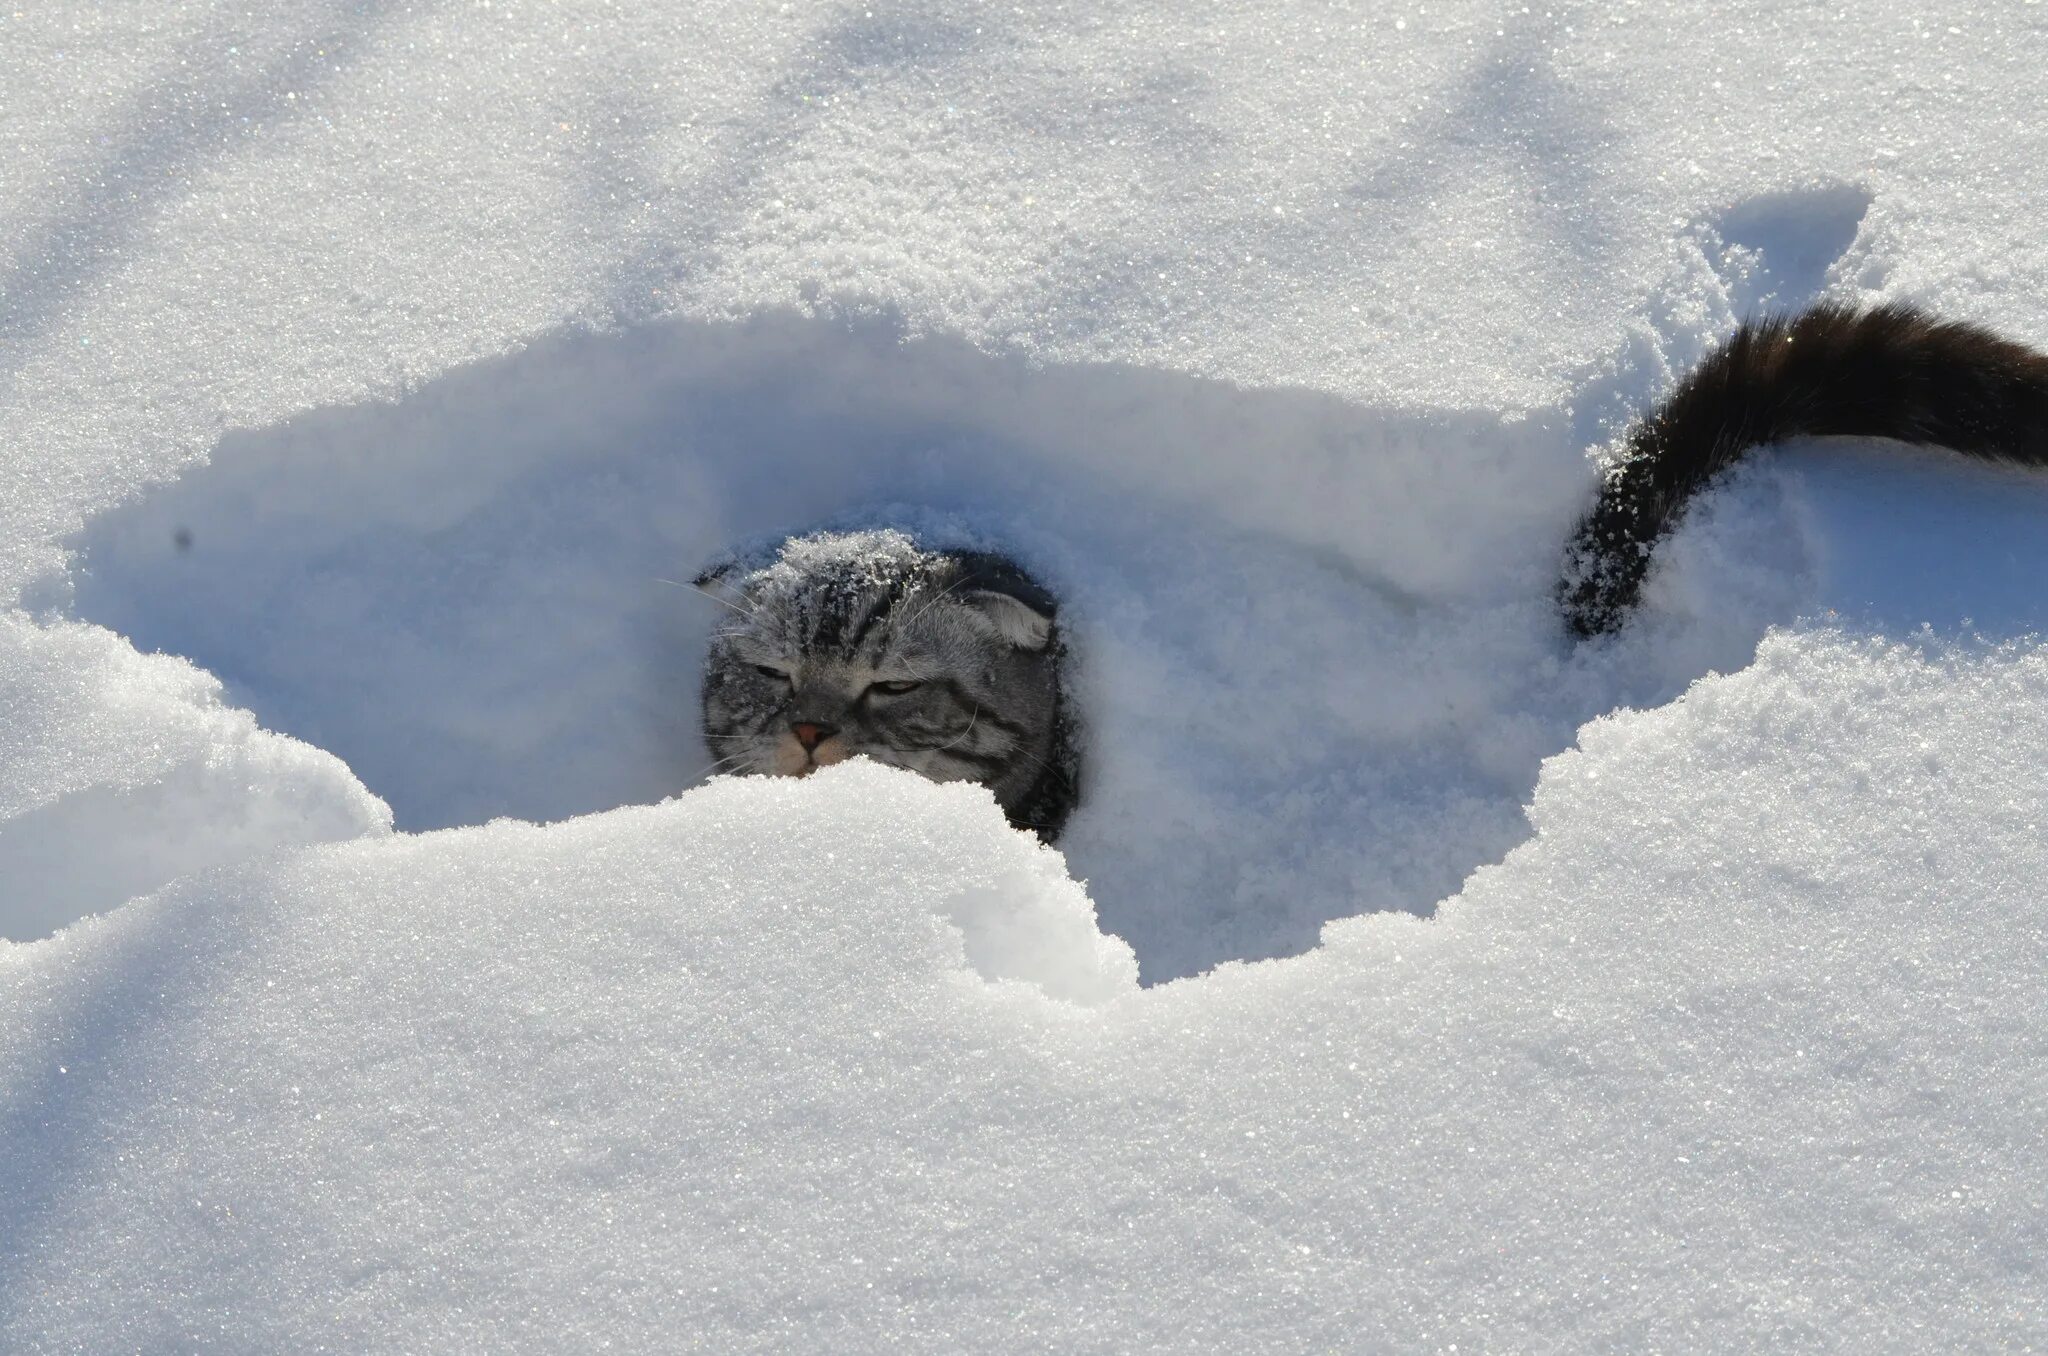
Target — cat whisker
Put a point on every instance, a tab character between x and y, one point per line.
716	766
1043	765
727	603
963	734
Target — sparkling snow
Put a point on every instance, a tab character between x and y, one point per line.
379	363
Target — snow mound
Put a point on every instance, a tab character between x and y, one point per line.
1690	1067
126	771
376	357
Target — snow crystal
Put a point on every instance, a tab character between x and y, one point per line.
377	363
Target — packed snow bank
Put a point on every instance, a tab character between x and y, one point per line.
1273	339
1744	1049
126	771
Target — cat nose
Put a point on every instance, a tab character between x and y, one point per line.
810	733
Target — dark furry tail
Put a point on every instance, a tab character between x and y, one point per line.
1892	372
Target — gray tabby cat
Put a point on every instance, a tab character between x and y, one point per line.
948	663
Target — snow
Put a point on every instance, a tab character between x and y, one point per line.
1704	1063
125	771
378	363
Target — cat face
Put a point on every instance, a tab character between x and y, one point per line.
944	663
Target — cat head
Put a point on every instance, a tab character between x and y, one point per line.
943	662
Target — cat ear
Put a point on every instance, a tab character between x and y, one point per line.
1019	623
1021	610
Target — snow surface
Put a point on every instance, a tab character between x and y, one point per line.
382	361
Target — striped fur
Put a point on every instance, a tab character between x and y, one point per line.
947	663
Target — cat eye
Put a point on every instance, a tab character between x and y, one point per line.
896	689
770	671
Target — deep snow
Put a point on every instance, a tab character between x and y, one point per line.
382	360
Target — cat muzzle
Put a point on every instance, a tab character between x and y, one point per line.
810	733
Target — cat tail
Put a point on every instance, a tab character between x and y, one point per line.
1891	372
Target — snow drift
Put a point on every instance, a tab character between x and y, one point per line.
376	362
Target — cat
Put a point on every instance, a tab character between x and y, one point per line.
949	663
1890	372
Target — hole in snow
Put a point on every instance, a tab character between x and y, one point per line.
1787	242
1317	654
